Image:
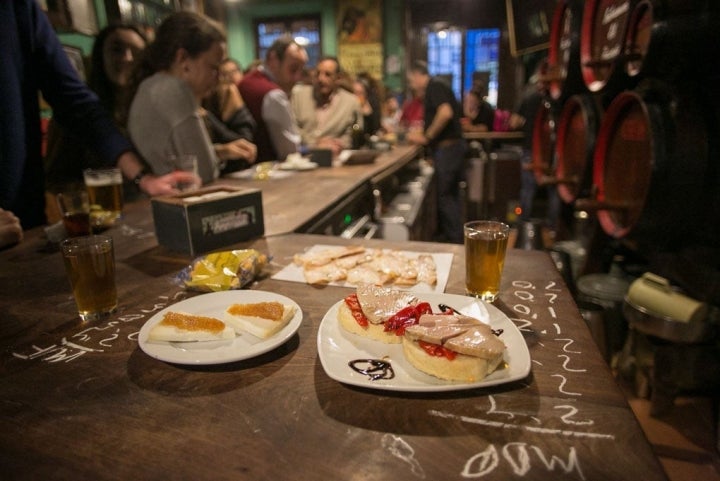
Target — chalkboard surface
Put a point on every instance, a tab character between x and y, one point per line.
529	24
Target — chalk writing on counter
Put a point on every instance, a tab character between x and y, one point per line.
97	339
570	411
400	448
517	455
531	302
534	301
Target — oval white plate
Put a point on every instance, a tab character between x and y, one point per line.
338	347
214	304
297	165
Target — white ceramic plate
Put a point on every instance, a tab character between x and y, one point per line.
297	165
214	304
249	174
338	347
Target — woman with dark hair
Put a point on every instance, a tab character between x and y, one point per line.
175	73
114	53
369	95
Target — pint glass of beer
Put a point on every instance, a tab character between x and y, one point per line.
90	266
485	245
105	190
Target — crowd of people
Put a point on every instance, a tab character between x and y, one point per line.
180	93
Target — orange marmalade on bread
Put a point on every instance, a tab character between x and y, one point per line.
192	323
267	310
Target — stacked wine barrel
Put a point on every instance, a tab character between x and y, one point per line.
635	86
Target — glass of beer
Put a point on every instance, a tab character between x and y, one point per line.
90	266
185	163
485	246
105	189
75	210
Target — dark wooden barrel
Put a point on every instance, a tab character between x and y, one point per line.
671	40
564	74
602	39
575	146
543	142
651	167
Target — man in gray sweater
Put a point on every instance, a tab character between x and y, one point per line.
325	113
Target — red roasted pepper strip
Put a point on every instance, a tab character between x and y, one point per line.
354	305
406	316
437	350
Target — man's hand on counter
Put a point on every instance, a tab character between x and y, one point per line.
167	184
133	168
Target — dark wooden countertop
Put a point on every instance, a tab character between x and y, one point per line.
85	402
511	135
292	201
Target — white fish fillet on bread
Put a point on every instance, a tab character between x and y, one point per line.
183	327
261	319
477	350
378	304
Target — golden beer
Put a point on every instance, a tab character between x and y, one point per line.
105	191
90	266
485	246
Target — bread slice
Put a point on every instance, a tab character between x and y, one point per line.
478	351
375	332
183	327
463	368
261	319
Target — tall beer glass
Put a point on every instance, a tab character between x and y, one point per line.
485	246
90	266
105	191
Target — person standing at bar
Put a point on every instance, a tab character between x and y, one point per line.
176	72
325	113
113	57
34	60
266	91
523	119
443	135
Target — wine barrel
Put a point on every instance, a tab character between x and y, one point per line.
576	134
543	142
651	167
564	74
602	36
670	39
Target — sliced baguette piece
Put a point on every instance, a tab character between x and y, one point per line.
463	368
261	319
184	327
375	332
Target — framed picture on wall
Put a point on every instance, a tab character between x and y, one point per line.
145	13
359	36
76	58
304	29
72	15
529	24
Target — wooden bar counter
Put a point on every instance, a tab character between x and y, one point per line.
293	200
85	402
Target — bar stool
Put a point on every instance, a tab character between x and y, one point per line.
673	356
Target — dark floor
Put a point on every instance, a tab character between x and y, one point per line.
685	439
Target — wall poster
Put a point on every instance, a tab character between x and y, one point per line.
72	15
529	24
359	27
